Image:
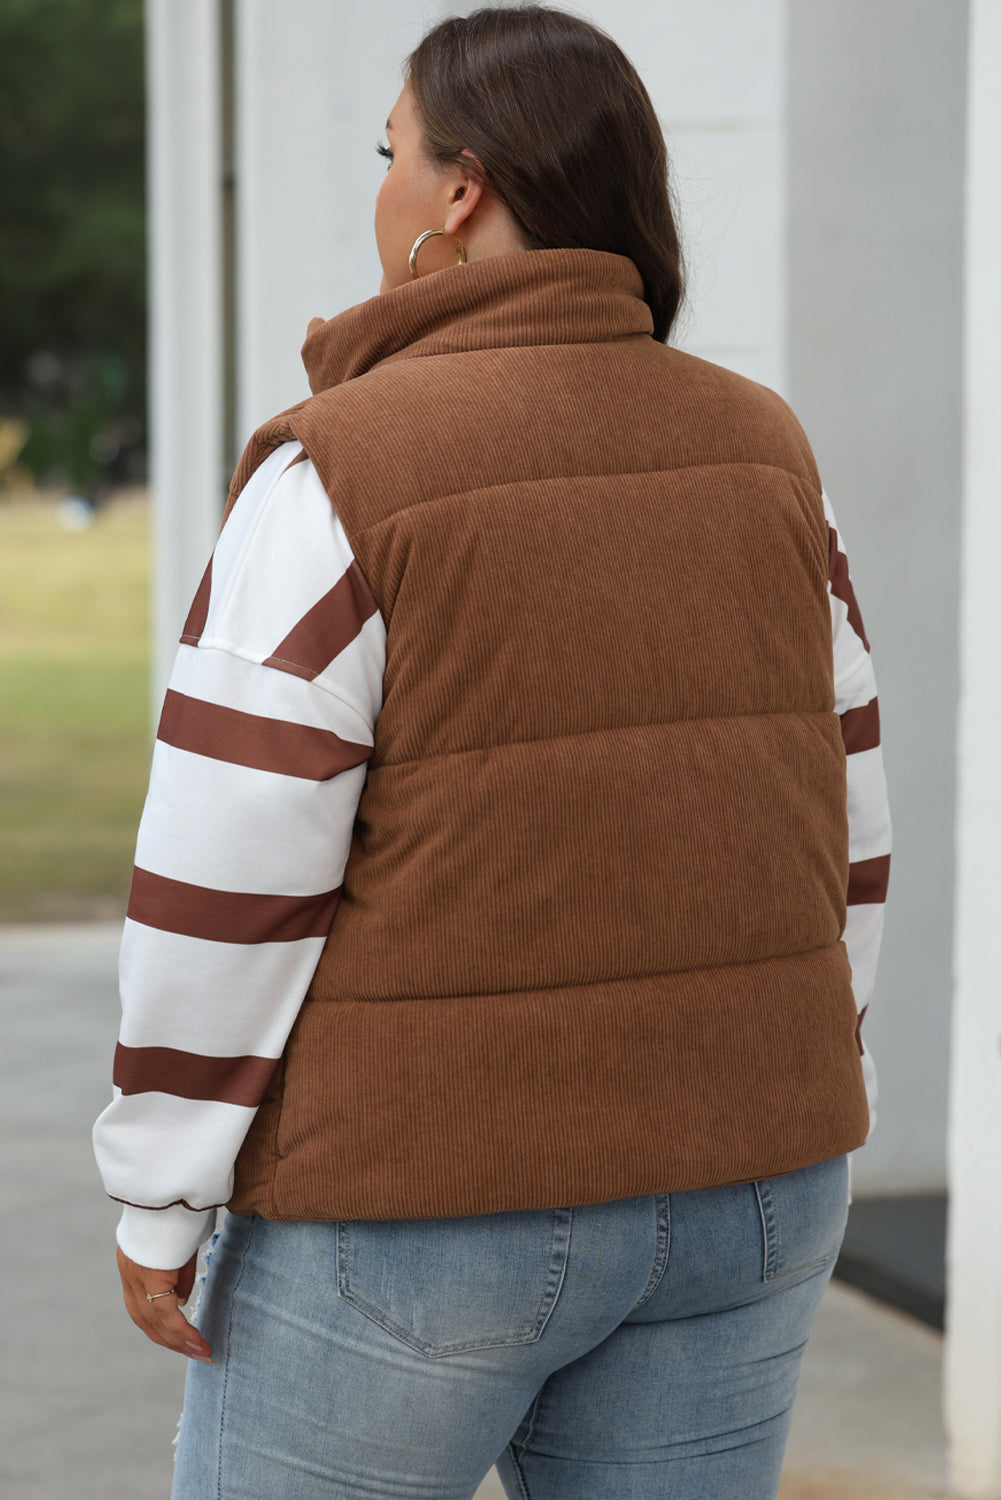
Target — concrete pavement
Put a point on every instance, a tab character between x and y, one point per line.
88	1407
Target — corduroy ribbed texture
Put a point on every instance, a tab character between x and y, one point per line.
588	940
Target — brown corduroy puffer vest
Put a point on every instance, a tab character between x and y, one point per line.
588	943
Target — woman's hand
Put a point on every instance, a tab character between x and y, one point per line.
162	1320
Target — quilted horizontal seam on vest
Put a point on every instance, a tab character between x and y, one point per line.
515	745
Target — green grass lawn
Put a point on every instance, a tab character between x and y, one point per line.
74	708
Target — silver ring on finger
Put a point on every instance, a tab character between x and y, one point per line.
152	1296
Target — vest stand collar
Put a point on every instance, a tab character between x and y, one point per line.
534	297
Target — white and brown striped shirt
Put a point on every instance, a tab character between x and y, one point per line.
259	765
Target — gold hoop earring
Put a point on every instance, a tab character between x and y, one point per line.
429	234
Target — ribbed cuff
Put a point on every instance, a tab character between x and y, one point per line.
164	1239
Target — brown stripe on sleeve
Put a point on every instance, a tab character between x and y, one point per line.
841	584
860	728
228	916
190	1075
325	630
250	740
867	881
194	625
300	458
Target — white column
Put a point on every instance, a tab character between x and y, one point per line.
973	1349
186	365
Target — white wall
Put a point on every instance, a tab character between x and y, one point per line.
876	156
317	80
715	72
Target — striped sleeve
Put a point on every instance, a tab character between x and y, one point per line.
259	763
868	810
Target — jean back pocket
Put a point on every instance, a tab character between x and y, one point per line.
446	1285
803	1216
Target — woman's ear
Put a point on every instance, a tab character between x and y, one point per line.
462	200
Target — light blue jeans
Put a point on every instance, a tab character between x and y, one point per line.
625	1351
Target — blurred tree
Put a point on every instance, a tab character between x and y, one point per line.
72	231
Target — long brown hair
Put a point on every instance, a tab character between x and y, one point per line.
564	131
